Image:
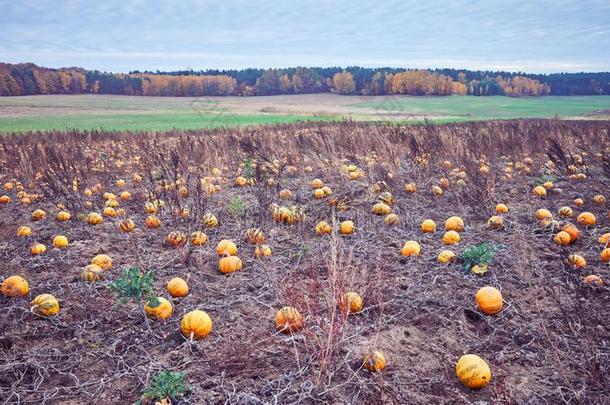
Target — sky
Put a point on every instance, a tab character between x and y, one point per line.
538	36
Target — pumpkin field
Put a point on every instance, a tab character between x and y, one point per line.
307	263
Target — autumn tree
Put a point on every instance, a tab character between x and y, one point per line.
343	83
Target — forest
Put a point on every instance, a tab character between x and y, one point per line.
30	79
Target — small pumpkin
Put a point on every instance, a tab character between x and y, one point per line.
255	236
38	215
576	261
451	238
177	287
579	202
437	191
489	300
198	238
175	239
60	241
226	247
586	219
152	221
428	226
381	209
15	286
24	231
501	208
158	308
109	212
605	255
262	251
454	224
374	361
91	273
572	231
288	320
63	216
38	249
473	371
127	225
562	238
317	183
599	199
210	221
285	194
565	212
539	191
346	227
102	261
323	228
150	208
411	248
45	305
495	222
229	264
604	239
445	257
196	324
391	219
386	197
94	218
593	280
542	214
351	302
410	188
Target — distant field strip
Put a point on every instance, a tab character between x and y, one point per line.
86	112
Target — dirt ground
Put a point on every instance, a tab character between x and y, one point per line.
549	344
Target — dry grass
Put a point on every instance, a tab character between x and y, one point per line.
549	344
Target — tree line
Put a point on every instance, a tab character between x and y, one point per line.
30	79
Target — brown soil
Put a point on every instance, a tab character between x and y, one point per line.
548	345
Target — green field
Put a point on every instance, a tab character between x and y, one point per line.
496	107
87	112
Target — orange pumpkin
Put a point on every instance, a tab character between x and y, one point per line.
255	236
91	273
411	248
577	261
489	300
15	286
454	224
562	238
127	226
229	264
198	238
102	261
175	239
501	209
586	219
158	308
38	249
428	226
346	228
593	280
572	231
351	302
374	361
451	238
226	247
63	216
288	320
152	221
177	287
323	228
605	255
196	324
24	231
473	371
445	257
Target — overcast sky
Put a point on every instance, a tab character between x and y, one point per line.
520	35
